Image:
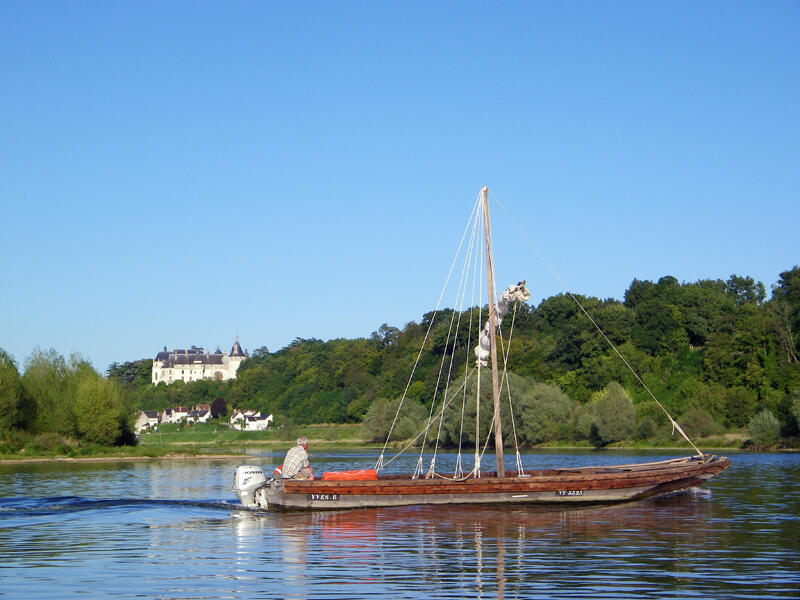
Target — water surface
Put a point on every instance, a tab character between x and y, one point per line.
165	529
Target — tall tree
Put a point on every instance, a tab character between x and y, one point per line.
614	415
787	292
219	408
745	290
47	384
138	372
12	413
98	409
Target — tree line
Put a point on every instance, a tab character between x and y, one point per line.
719	355
57	403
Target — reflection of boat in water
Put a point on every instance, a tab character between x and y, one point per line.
663	517
580	485
491	551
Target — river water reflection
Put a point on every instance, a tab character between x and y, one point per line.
165	529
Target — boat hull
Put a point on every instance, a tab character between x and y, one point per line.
554	486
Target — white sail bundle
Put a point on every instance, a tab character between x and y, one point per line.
514	293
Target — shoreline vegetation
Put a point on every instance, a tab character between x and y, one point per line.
177	454
177	445
718	356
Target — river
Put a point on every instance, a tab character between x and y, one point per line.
172	529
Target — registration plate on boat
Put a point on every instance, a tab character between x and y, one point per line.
324	497
569	492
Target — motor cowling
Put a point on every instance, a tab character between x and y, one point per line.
246	481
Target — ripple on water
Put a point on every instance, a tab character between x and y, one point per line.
152	532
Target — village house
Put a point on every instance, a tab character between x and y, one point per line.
147	419
250	420
194	363
244	420
239	416
175	414
198	416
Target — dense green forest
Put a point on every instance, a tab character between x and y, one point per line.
58	403
719	355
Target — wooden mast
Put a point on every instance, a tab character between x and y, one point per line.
498	431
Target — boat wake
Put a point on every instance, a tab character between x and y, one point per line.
69	504
692	492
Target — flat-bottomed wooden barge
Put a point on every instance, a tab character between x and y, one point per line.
604	484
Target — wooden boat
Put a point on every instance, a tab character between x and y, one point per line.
573	486
367	488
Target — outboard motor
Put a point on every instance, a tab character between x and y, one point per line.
246	481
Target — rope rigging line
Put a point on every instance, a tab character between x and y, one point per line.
451	345
506	353
436	390
446	389
464	394
476	467
503	380
431	471
440	415
675	425
475	257
455	318
458	468
435	393
414	440
379	463
452	336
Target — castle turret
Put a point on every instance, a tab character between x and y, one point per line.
236	350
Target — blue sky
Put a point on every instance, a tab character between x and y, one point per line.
175	173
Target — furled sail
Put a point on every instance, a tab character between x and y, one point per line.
514	293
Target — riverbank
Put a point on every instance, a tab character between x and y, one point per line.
212	441
178	452
115	458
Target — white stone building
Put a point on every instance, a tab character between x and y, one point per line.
191	364
198	416
146	419
174	415
250	420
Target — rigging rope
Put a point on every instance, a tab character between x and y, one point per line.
512	294
675	425
476	467
414	440
475	278
460	294
474	256
379	463
506	352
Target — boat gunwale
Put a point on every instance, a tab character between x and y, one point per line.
589	478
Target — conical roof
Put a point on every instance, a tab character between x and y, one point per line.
236	350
